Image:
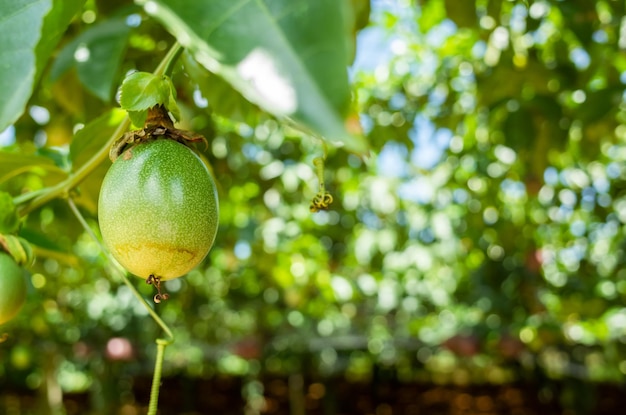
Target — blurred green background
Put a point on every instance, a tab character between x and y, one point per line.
479	245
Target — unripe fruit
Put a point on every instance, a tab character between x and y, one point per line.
12	288
158	209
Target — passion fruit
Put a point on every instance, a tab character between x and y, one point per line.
158	209
13	292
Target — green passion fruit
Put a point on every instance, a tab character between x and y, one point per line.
158	210
13	288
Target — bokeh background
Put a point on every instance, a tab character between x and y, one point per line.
472	264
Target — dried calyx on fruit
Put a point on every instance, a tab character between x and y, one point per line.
158	125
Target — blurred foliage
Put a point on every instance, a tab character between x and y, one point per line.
481	240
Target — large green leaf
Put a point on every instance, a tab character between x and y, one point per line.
19	64
54	27
24	50
287	56
97	55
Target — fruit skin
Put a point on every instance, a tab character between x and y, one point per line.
158	209
12	288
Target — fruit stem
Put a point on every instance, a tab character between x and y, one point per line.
62	189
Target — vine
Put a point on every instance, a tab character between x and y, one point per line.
322	199
31	201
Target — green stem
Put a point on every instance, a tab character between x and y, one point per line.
318	162
161	343
25	197
166	67
63	188
156	377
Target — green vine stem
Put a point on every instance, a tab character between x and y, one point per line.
63	188
156	377
318	162
161	343
166	66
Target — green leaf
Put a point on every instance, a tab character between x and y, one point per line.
143	90
12	164
358	18
85	143
138	118
361	10
9	219
54	27
17	55
222	98
97	55
25	51
93	136
287	56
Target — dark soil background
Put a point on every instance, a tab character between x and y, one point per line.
223	395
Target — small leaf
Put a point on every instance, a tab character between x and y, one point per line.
9	219
143	90
97	55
